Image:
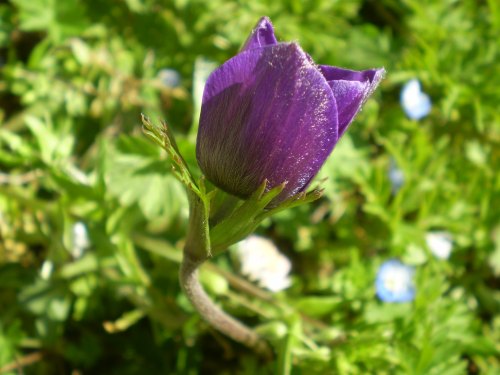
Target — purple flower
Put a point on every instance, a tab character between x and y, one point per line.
440	244
270	113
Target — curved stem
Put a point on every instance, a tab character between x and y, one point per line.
217	318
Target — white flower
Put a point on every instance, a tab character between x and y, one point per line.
46	270
414	101
263	263
80	239
440	244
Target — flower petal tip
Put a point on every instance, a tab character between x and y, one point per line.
262	35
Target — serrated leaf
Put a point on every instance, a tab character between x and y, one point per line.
162	136
138	179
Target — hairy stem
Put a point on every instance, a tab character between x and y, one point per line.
212	314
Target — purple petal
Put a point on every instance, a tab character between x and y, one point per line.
351	89
262	35
267	113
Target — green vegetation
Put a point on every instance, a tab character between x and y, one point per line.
75	77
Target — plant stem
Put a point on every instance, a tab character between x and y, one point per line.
212	314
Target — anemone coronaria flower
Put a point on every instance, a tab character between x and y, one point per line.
271	114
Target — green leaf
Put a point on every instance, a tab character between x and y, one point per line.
59	18
138	178
162	136
10	338
318	306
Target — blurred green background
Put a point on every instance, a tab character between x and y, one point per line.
75	76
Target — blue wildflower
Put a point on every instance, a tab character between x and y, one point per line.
395	282
169	78
415	102
396	176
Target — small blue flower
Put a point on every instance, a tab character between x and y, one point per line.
416	103
396	176
169	77
395	282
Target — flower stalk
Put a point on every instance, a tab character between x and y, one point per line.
196	252
212	314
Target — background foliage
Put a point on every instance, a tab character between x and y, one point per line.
74	78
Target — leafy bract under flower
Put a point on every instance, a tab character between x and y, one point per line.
270	113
